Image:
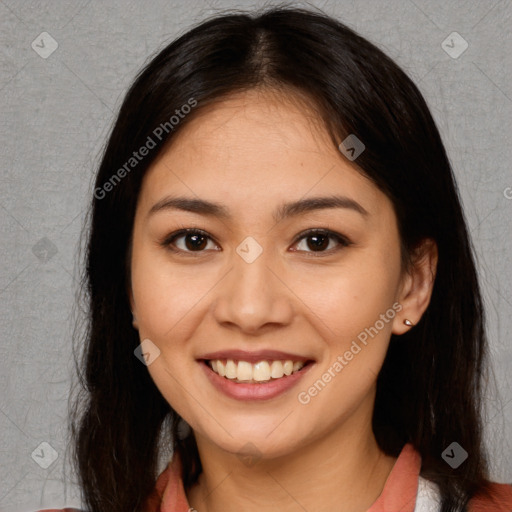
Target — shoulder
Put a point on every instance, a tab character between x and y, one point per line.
496	498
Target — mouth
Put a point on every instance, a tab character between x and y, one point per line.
254	375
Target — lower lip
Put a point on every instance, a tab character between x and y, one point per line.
260	391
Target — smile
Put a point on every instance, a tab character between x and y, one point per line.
254	375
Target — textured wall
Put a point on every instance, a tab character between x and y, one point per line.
57	109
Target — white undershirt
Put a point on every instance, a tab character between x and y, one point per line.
428	498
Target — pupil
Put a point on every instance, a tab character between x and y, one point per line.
194	245
317	245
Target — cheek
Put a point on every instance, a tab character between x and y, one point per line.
356	309
165	300
164	295
349	298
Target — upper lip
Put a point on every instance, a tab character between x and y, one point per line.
254	356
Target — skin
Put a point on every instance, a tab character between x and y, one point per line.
251	152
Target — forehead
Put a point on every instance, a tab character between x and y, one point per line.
256	148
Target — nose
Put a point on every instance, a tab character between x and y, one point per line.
254	295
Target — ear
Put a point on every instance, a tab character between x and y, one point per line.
417	285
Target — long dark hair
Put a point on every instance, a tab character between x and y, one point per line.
429	390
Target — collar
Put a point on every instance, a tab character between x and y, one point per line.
398	495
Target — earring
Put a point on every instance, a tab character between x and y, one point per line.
408	323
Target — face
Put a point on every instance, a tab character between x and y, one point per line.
251	290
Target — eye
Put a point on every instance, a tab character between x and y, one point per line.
320	240
194	240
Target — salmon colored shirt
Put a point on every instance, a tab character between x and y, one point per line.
399	493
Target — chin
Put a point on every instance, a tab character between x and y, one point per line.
258	445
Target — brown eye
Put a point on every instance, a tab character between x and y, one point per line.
319	240
194	240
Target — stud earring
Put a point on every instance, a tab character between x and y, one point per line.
408	323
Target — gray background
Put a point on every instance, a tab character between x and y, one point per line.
56	114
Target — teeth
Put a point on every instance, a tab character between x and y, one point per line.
262	371
297	366
276	369
244	370
231	369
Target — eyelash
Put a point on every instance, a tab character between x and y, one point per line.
342	240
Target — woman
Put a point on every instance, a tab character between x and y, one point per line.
278	259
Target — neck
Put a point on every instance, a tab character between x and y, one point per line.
315	477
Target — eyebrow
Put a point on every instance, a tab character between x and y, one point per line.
282	212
